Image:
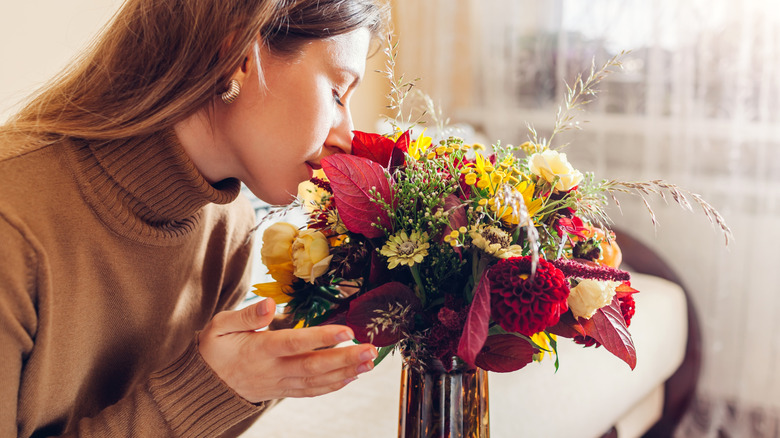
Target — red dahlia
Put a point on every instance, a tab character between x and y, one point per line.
525	304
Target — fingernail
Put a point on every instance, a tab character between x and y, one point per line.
263	308
365	367
343	336
369	354
350	380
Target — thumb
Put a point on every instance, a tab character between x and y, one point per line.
250	318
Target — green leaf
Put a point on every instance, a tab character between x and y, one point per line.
382	352
554	346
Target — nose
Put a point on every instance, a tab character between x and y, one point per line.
339	139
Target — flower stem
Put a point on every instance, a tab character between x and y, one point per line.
419	283
323	292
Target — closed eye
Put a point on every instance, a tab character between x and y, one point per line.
337	98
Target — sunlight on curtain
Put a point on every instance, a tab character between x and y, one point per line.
697	104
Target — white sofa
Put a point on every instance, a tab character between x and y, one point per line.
593	394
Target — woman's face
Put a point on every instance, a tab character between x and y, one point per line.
274	135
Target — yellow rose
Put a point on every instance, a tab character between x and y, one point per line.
551	164
591	295
311	255
277	244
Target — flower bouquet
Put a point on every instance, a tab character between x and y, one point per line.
460	255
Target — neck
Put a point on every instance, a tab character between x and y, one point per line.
198	139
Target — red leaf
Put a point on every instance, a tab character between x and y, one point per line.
457	213
403	142
374	147
397	304
505	353
609	329
625	289
351	178
476	328
567	326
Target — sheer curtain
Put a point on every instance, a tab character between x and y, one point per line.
697	104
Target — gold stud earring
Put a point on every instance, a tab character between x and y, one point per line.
234	89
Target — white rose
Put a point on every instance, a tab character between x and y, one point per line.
311	255
591	295
551	164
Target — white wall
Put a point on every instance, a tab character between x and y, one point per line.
39	37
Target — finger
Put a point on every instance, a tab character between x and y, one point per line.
249	318
324	361
312	386
292	342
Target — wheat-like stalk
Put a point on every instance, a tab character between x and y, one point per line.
399	88
576	98
664	189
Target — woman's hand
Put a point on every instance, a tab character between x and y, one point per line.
269	365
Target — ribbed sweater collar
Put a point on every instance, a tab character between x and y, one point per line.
146	188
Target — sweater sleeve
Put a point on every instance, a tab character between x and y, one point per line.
17	320
184	399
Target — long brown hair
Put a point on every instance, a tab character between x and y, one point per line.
158	61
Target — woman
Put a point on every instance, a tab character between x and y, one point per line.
122	237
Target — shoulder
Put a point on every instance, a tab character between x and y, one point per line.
18	273
15	146
26	166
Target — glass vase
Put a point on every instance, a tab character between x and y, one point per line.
436	403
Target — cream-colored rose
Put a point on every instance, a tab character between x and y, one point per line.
551	164
277	244
591	295
311	255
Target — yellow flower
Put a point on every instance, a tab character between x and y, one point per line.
542	339
524	189
277	243
311	255
531	148
312	196
471	179
405	249
274	290
418	147
495	241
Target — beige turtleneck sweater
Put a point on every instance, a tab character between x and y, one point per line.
112	256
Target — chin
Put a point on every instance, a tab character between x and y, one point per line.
278	196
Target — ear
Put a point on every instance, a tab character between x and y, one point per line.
242	72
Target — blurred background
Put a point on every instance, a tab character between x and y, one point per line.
697	104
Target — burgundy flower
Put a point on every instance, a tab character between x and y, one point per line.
627	308
524	303
572	268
